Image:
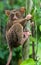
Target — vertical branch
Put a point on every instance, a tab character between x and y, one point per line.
11	2
26	45
33	44
36	43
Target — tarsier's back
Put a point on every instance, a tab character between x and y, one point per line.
15	35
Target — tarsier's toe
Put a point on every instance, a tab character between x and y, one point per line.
26	34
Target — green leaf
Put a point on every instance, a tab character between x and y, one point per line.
1	6
1	55
40	27
32	39
28	62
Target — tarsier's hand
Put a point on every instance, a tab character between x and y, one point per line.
29	16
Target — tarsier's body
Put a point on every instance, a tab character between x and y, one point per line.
15	32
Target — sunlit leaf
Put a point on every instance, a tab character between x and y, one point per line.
32	39
40	27
28	62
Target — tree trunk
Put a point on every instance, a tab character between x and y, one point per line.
33	44
25	49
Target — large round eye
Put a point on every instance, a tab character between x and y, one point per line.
12	15
18	15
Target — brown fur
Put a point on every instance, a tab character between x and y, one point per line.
15	34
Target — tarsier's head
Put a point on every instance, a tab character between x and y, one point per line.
15	14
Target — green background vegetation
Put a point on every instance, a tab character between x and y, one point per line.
36	13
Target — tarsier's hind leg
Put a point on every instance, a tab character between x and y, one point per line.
19	33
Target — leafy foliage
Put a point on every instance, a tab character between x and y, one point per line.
36	17
28	62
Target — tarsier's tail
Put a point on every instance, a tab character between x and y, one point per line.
9	58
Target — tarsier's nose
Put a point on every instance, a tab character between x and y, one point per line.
15	17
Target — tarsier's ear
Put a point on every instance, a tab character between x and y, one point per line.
7	12
22	9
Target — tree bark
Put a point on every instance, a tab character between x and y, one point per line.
33	44
25	49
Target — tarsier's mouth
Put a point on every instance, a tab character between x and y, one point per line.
14	19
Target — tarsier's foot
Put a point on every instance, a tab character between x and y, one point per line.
26	34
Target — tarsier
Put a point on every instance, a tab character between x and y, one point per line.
15	31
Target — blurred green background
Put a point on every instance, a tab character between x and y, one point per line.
36	13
